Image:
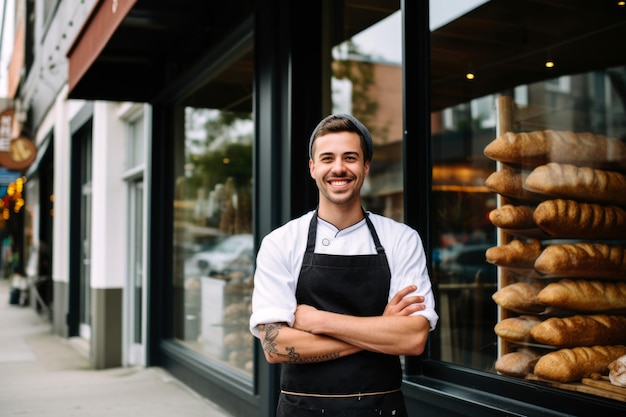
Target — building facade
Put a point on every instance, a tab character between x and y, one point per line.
172	136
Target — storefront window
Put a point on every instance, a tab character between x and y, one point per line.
213	241
367	83
526	105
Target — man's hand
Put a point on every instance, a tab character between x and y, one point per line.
403	305
305	317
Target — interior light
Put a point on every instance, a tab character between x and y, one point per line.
549	61
470	74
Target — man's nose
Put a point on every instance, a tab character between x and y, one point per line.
339	165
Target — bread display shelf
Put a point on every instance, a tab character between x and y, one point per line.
561	251
601	388
532	345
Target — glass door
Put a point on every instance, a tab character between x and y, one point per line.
85	237
135	286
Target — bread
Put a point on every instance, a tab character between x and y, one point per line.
520	297
568	365
617	372
585	295
581	330
519	363
540	147
511	184
578	183
515	254
583	259
570	219
516	329
509	216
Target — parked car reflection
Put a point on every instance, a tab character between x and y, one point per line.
461	263
231	254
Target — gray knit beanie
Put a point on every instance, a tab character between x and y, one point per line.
366	137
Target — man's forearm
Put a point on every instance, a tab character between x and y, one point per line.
395	335
283	344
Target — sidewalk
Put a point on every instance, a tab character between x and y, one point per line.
41	374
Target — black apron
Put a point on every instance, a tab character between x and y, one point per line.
362	384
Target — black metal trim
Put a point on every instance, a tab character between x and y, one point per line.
416	133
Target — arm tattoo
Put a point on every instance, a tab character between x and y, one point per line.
269	346
271	333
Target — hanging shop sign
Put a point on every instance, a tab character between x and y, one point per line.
16	153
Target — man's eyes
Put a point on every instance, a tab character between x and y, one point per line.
347	158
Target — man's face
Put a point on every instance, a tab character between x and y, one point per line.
338	167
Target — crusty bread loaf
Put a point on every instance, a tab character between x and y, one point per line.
519	363
570	219
510	183
509	216
568	365
520	297
578	183
583	259
515	254
585	295
516	329
540	147
581	330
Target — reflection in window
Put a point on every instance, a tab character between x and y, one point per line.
367	83
213	236
462	233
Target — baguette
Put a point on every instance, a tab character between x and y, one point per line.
515	254
581	330
540	147
511	184
570	219
519	363
578	183
516	329
509	216
520	297
584	259
568	365
585	295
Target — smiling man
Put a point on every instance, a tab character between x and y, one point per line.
341	292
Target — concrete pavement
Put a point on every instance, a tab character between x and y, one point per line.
42	374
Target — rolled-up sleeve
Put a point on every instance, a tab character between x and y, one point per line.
273	298
409	268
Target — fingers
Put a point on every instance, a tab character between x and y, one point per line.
403	293
402	304
401	296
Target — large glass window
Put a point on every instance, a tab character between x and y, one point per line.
525	104
367	82
213	234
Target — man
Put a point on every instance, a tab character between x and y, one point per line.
340	292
